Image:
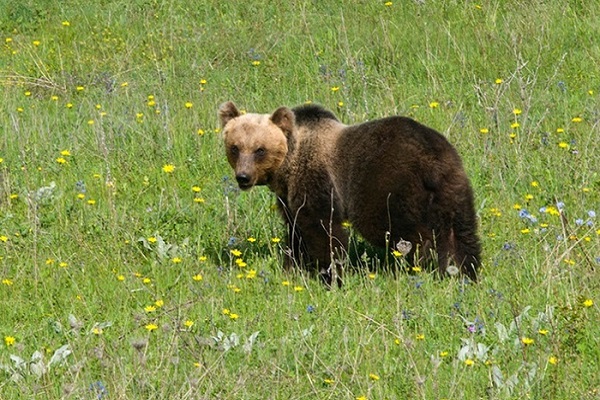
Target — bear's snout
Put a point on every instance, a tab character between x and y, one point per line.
243	180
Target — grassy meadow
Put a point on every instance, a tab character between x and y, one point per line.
131	267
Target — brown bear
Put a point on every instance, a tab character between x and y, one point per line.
395	180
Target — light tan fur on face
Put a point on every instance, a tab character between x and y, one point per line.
256	144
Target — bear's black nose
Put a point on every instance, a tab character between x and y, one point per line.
242	179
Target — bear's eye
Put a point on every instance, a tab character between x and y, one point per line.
234	150
260	152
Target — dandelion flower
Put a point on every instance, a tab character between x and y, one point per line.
553	360
69	105
202	258
91	202
97	330
543	332
298	288
577	119
66	23
388	4
498	81
434	104
3	238
63	264
373	377
444	354
236	252
588	303
226	311
199	200
256	63
527	341
328	381
151	327
285	283
275	240
563	145
176	260
146	280
240	263
251	239
7	282
188	323
149	309
372	276
420	336
189	105
197	277
517	111
120	278
469	362
61	160
9	340
484	131
168	168
335	89
233	316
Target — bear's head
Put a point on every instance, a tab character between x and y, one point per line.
256	144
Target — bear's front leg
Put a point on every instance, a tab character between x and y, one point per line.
325	242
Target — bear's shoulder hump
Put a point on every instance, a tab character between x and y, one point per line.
311	114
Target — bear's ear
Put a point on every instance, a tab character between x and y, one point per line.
284	118
227	112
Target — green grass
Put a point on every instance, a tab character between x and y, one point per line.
134	271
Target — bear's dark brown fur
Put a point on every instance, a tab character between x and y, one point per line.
394	179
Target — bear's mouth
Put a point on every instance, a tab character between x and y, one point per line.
245	186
